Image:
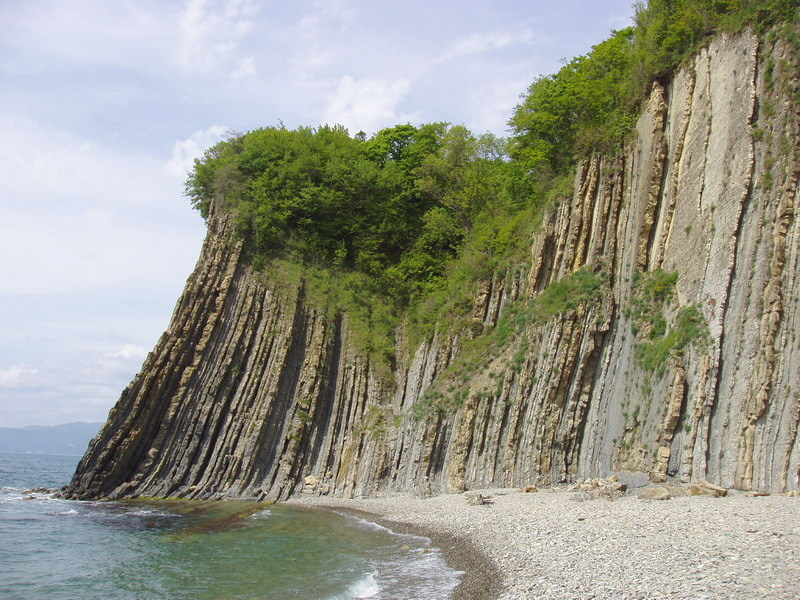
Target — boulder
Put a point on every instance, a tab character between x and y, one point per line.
478	499
610	488
704	488
654	493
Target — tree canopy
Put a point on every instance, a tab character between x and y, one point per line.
591	103
396	207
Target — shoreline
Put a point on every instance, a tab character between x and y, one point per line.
480	579
557	544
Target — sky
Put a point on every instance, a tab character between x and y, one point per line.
105	104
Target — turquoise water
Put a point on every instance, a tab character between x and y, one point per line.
59	549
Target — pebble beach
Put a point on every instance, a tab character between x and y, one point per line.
561	544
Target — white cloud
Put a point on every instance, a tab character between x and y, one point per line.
479	43
96	244
246	68
367	104
84	351
129	351
316	39
64	164
87	32
16	375
77	216
323	15
492	105
185	151
211	32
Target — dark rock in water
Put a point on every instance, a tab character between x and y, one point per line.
40	490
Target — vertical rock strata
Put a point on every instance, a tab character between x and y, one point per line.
255	393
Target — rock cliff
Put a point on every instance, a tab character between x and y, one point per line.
254	392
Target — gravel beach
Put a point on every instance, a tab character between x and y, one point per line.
556	544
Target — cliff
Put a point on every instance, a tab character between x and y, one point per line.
255	392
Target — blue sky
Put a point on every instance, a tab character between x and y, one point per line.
104	105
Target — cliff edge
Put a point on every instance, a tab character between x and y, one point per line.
681	361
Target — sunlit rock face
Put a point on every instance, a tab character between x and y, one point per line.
255	393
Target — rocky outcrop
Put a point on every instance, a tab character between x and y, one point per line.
254	392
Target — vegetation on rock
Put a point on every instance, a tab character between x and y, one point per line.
662	337
257	388
410	219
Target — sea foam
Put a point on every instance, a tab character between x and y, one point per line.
367	587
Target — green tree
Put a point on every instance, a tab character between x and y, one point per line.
464	175
586	106
668	31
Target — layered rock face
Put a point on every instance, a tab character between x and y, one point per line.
256	393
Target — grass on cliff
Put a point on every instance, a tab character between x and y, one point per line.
476	353
662	335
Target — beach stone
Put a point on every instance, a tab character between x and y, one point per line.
476	499
310	484
654	493
720	490
633	479
610	488
704	488
608	494
582	496
695	490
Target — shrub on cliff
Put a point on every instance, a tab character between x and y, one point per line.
592	102
586	106
396	207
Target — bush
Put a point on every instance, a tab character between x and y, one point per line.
592	102
652	293
584	107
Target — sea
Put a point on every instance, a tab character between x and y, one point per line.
58	549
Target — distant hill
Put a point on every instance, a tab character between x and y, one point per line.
70	438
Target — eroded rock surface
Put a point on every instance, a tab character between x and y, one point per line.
254	393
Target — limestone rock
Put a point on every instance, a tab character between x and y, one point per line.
704	488
477	499
654	493
254	384
609	488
